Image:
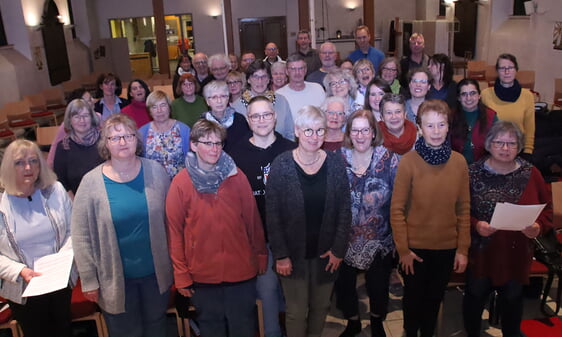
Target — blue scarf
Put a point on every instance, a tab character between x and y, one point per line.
433	156
510	94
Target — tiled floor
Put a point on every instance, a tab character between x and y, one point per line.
451	322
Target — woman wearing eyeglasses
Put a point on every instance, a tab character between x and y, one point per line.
341	83
471	121
334	109
371	169
308	217
258	76
511	102
77	153
165	139
119	235
389	71
217	243
430	218
501	259
419	80
217	96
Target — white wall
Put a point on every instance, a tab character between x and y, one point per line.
529	39
334	15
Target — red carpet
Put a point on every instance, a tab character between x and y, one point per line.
543	327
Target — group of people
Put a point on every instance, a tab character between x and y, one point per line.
211	193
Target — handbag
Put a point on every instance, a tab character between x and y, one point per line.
548	251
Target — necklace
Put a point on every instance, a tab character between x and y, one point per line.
314	161
360	165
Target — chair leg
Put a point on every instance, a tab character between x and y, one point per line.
547	287
261	328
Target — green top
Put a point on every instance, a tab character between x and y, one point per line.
395	86
188	113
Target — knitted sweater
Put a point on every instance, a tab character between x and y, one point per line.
430	206
521	112
286	215
96	250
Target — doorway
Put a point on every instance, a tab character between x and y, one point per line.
255	33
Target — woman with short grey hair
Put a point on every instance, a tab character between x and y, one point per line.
308	217
501	259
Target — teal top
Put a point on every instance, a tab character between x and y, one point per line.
471	117
129	212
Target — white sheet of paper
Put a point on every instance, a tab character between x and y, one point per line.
511	217
55	272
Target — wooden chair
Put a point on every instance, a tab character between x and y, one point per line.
38	107
5	132
89	82
18	115
84	310
526	79
6	321
166	89
70	86
55	101
45	136
476	70
557	93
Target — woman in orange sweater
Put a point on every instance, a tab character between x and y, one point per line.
430	218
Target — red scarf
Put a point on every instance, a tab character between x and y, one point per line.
399	145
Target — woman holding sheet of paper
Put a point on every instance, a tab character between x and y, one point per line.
501	259
34	222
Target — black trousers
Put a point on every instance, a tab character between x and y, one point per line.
45	315
510	302
424	291
376	282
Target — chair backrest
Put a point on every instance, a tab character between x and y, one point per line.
17	108
46	134
53	95
526	78
165	88
36	102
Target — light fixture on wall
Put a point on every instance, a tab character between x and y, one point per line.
214	13
449	3
350	6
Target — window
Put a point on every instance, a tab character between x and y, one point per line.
140	34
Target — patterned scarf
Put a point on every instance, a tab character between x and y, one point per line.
247	97
433	156
226	121
209	181
89	139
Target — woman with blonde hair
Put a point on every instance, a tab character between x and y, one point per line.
165	139
35	222
119	234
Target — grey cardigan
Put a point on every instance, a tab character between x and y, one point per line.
286	217
96	250
58	207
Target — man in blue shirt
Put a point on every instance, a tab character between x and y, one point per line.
365	51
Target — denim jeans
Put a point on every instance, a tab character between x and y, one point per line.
145	310
226	310
271	295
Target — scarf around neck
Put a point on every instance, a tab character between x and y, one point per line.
510	94
433	156
402	144
89	139
209	181
226	121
